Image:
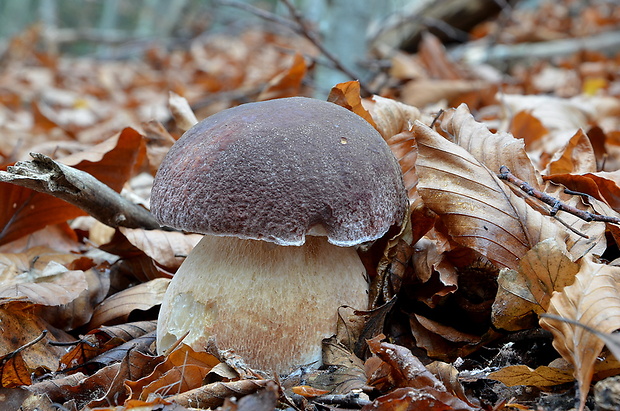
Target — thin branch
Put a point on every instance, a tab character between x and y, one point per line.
79	188
261	13
25	346
311	35
556	205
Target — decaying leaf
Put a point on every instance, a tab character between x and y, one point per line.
542	376
417	386
593	300
117	307
347	95
526	292
477	209
286	83
167	248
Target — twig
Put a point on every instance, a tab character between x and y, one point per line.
311	35
352	399
79	188
261	13
27	345
556	205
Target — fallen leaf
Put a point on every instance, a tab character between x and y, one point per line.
541	377
117	307
593	300
287	83
347	95
167	248
477	209
524	293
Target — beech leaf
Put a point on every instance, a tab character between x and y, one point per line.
544	269
477	208
592	300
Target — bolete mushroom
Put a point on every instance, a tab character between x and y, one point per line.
283	190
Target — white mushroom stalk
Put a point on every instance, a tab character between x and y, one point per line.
273	304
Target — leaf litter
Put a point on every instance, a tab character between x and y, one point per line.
486	290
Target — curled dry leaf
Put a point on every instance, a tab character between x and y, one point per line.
158	143
103	339
392	117
182	113
288	82
405	150
347	95
22	327
346	372
527	127
492	150
577	157
212	395
541	377
25	211
477	209
593	300
527	291
418	387
117	307
167	248
184	369
79	310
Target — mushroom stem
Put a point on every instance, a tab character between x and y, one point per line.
271	304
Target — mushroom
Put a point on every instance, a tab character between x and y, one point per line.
283	190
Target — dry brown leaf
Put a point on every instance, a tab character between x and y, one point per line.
477	209
103	339
449	376
593	300
347	95
182	113
433	55
527	127
112	162
392	117
577	157
493	150
286	83
79	310
346	371
117	307
405	150
22	326
526	292
66	287
212	395
405	371
542	376
602	185
423	92
583	236
158	143
14	372
167	248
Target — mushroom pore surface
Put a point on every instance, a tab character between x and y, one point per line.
273	170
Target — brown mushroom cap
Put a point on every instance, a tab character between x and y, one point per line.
276	169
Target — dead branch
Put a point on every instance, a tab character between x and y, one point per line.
79	188
481	52
556	205
314	39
